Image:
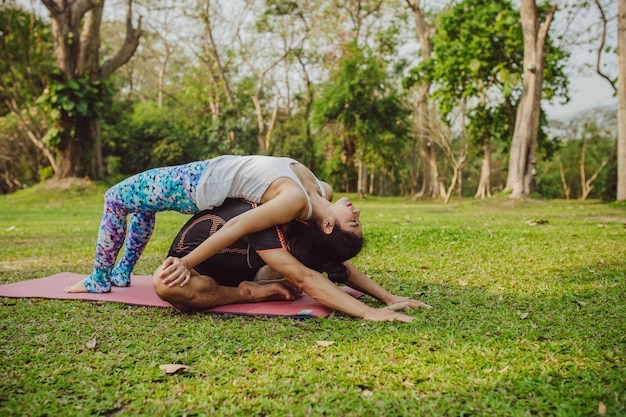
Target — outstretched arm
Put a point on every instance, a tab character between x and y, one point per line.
359	281
324	291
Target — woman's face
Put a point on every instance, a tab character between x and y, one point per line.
347	216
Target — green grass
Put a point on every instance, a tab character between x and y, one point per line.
528	321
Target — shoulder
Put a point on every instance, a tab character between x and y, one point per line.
328	190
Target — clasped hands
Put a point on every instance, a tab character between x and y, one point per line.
175	271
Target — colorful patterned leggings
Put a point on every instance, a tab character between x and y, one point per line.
140	196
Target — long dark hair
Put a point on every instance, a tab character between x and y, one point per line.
320	251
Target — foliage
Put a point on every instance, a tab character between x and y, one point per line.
26	61
168	104
477	48
26	56
359	100
156	138
69	101
597	133
525	322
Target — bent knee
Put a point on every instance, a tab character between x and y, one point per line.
178	297
157	283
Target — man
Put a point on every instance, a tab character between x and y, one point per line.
228	277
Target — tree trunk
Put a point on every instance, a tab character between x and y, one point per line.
621	101
484	184
524	145
361	178
566	188
431	186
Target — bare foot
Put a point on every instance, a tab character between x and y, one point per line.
78	287
274	291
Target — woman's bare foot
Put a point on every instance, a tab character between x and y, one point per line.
274	291
78	287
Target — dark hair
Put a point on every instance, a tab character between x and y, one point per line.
320	251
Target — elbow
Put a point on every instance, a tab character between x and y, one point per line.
305	279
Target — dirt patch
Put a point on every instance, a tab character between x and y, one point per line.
68	184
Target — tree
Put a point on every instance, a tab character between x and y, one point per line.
621	101
360	103
477	53
586	148
26	61
74	99
276	21
431	186
523	147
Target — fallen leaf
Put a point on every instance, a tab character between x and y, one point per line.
523	315
324	343
580	303
601	408
408	383
91	344
172	368
367	393
536	222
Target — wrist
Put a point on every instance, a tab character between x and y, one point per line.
185	264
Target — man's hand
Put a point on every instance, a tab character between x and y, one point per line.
410	303
175	271
382	314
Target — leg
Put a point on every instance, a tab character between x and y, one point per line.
202	293
159	189
267	274
110	239
140	228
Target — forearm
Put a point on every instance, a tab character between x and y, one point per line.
328	294
324	291
359	281
213	245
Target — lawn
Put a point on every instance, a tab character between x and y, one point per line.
529	319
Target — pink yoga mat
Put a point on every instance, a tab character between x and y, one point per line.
141	293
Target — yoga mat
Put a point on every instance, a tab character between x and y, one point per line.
141	293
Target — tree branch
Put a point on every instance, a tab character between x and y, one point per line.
128	48
542	34
601	47
32	134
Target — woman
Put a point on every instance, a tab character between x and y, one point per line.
287	190
226	277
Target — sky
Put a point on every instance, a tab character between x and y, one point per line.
587	89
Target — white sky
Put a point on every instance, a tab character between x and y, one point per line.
587	89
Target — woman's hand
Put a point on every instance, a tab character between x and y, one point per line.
175	271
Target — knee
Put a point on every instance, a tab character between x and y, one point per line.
173	295
157	284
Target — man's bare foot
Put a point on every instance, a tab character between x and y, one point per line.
274	291
78	287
